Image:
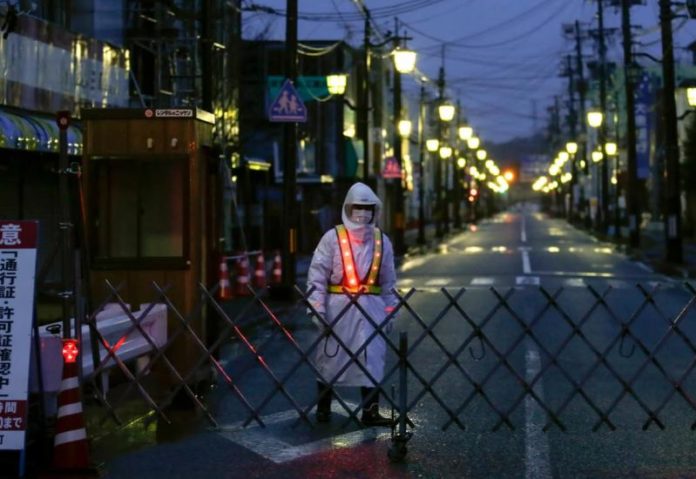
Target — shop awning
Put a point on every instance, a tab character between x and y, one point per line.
21	130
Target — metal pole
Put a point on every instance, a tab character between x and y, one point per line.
398	218
604	220
421	178
364	109
573	135
632	206
669	109
66	228
439	207
290	156
582	144
457	193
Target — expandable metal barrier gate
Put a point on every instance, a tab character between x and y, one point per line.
476	341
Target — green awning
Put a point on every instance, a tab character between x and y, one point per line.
21	130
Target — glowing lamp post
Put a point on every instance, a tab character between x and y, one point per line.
446	112
432	145
336	84
405	128
595	118
465	132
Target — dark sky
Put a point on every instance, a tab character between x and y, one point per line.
502	57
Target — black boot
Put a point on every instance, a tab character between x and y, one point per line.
324	405
370	413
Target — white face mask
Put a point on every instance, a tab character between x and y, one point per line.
361	217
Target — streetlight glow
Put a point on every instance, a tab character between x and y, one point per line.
563	156
446	111
473	142
445	152
481	154
404	60
691	96
336	84
465	132
597	156
404	128
461	162
572	147
611	148
432	145
595	118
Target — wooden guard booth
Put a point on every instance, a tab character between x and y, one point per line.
151	189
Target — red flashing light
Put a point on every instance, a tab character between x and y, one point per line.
70	350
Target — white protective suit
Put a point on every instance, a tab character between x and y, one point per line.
352	327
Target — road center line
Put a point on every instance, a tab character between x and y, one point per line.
526	265
537	457
523	233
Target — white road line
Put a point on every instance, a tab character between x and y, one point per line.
437	282
526	265
527	280
482	281
574	283
262	442
537	456
523	233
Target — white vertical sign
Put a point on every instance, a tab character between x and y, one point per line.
18	240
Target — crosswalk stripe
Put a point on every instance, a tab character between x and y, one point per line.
482	281
437	282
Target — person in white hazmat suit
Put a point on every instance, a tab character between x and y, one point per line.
355	256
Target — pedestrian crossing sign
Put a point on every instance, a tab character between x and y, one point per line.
288	106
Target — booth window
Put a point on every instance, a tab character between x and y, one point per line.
140	209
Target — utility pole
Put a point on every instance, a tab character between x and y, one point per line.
604	220
289	221
632	207
364	99
398	217
457	187
438	163
572	123
582	89
673	188
421	169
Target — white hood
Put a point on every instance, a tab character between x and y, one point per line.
360	194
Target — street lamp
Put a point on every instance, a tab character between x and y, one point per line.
611	148
481	154
465	132
572	147
336	83
432	145
446	111
404	60
445	152
473	143
597	156
691	96
405	128
595	118
461	163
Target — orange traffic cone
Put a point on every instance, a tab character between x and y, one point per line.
224	290
70	448
242	277
260	272
277	274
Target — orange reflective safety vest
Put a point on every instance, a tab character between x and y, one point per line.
351	283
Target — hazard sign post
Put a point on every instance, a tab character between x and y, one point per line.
18	240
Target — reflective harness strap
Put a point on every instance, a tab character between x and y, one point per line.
350	274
